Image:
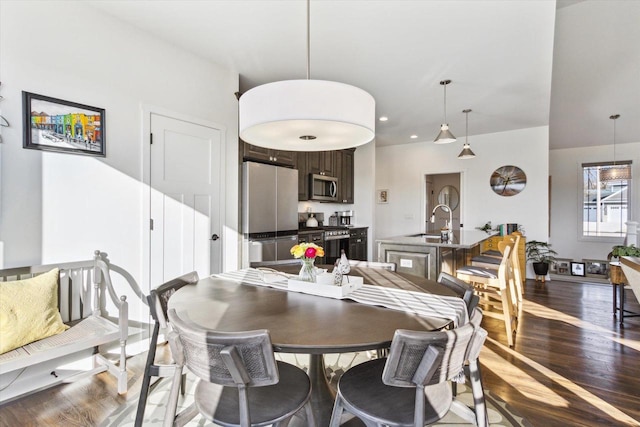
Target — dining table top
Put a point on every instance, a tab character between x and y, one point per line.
303	323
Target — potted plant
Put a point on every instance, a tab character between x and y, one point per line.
541	255
622	250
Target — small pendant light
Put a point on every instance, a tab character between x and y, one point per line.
615	172
466	152
445	136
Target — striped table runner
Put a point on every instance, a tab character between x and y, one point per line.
390	291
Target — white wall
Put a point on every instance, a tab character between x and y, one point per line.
401	169
566	191
57	206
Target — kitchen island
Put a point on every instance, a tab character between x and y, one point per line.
426	255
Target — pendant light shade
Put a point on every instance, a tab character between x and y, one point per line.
466	152
307	115
444	136
615	172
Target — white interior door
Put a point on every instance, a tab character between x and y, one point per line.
185	175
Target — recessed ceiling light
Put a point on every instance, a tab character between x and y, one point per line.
413	136
383	118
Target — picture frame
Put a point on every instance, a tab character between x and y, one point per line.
563	267
596	268
577	268
383	196
52	124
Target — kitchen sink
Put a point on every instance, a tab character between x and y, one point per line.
426	236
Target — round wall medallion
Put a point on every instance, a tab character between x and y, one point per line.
508	180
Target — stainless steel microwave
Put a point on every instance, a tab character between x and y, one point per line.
323	188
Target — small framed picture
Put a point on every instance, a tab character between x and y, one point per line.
52	124
383	196
577	268
598	268
563	266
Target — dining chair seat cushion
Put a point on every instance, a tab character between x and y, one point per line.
486	259
478	271
364	392
265	403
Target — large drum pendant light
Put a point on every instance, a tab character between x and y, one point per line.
307	115
615	172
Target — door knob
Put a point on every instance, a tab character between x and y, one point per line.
214	237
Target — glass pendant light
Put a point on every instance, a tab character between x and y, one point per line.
445	136
466	152
307	115
615	172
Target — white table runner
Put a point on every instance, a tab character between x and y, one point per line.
420	303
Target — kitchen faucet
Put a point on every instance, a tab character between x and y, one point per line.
446	209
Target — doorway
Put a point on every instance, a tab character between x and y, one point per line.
444	188
184	173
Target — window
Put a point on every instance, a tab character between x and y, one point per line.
605	201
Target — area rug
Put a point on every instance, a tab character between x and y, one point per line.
500	414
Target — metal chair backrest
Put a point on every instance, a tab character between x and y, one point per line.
158	298
479	336
419	358
240	359
462	289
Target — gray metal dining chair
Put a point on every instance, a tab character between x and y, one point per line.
410	387
158	300
462	289
479	414
241	383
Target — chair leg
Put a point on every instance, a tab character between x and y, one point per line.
507	309
183	384
146	380
480	406
172	401
338	409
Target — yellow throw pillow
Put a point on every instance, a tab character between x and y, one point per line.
29	310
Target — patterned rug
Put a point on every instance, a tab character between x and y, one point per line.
500	415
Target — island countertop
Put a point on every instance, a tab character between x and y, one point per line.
462	239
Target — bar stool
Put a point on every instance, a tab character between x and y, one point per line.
496	289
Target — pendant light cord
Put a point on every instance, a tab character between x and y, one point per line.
445	103
466	128
308	41
614	118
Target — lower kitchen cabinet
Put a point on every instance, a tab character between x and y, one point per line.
358	244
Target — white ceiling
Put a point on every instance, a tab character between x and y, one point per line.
499	55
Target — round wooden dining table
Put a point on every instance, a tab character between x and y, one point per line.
301	323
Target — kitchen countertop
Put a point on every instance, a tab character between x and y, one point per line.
463	239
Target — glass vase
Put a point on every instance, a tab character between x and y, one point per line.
308	270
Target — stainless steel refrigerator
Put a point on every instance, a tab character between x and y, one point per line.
269	211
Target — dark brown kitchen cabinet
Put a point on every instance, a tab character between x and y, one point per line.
321	162
337	164
358	244
344	168
303	176
267	155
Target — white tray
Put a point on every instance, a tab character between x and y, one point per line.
324	286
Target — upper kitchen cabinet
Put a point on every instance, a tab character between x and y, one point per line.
338	164
267	155
344	168
321	163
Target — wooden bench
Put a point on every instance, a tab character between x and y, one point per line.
84	288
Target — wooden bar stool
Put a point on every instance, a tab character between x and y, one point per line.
496	289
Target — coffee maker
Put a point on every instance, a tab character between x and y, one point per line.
345	218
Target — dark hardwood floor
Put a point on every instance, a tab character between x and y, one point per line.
572	365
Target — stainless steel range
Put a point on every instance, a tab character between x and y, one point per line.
336	239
